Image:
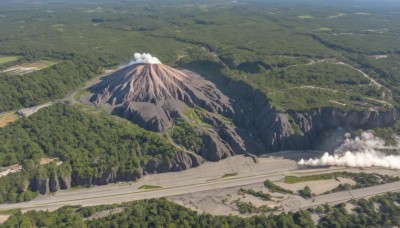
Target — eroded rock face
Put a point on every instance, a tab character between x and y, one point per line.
41	185
54	184
65	182
107	177
277	133
79	180
181	161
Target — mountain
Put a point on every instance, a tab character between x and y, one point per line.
153	94
158	97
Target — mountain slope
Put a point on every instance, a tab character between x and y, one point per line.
156	96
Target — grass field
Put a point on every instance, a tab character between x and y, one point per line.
293	179
6	118
8	212
229	175
6	59
41	64
149	187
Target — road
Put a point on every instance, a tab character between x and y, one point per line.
363	74
90	198
339	197
207	177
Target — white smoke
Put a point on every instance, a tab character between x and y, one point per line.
359	152
144	58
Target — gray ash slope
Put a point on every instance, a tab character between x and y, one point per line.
155	96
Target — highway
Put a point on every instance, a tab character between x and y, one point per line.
209	176
121	193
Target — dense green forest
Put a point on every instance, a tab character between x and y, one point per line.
162	213
87	143
269	46
187	136
48	84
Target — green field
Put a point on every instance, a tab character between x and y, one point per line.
294	179
229	175
6	59
8	212
149	187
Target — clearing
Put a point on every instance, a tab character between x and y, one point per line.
4	171
6	59
4	218
336	16
29	67
7	118
318	187
305	17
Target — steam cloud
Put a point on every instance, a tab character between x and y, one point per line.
144	58
358	152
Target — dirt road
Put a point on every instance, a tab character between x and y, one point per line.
344	196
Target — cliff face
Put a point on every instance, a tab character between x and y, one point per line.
181	161
300	130
281	134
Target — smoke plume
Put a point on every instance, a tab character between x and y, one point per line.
362	151
144	58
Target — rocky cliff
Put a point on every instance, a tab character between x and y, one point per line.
298	130
181	161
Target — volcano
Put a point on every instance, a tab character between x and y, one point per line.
155	96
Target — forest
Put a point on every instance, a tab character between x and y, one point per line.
88	144
271	50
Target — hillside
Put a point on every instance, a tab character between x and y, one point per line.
162	99
95	150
